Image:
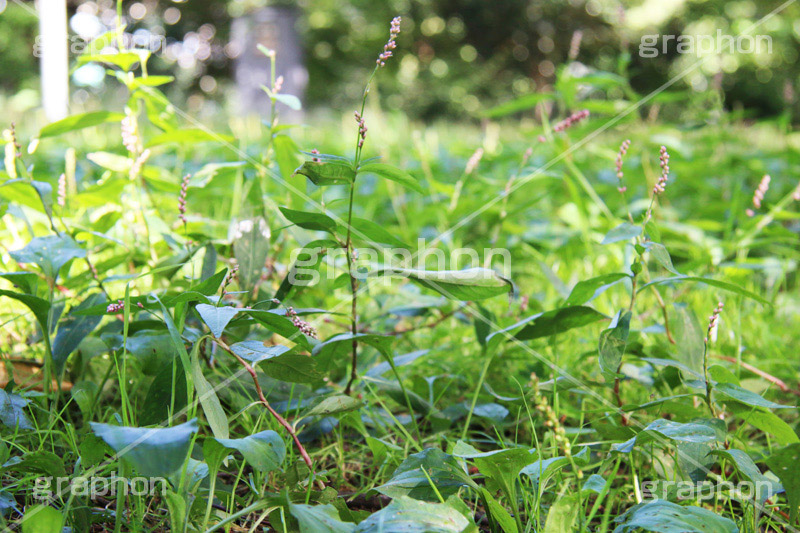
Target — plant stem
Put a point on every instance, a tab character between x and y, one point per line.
281	420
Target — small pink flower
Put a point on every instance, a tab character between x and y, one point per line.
394	30
571	120
182	198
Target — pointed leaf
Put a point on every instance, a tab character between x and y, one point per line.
216	318
391	173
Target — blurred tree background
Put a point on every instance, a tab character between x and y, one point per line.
454	57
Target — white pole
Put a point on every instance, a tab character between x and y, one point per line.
53	60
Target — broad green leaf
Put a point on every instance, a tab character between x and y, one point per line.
72	329
501	466
765	421
563	514
42	519
289	100
39	462
38	306
661	516
783	464
661	255
26	281
331	350
327	173
12	411
264	451
216	318
663	430
465	285
188	136
547	324
763	485
312	221
123	60
724	285
612	343
338	403
251	241
674	364
587	290
689	337
156	452
80	121
279	324
45	192
319	519
747	397
279	362
49	253
624	232
441	469
391	173
413	516
167	393
541	471
372	233
523	103
109	161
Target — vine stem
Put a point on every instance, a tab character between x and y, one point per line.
281	420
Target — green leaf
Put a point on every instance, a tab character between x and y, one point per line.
661	255
612	343
279	362
154	452
208	398
264	451
279	324
167	394
662	429
563	514
113	162
661	516
465	285
623	232
335	347
501	466
412	516
587	290
188	136
79	121
42	519
72	329
441	471
765	421
338	403
216	318
689	337
49	253
783	464
38	306
45	192
370	232
12	411
764	486
289	100
250	248
391	173
747	397
123	60
319	519
523	103
327	173
547	324
312	221
724	285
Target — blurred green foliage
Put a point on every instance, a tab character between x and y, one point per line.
458	56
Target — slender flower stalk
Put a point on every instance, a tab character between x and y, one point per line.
575	44
304	327
130	132
661	184
228	279
623	149
361	136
